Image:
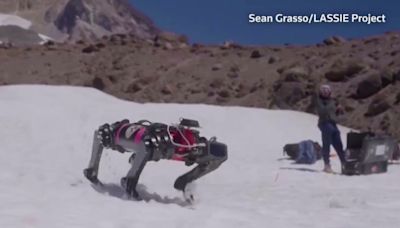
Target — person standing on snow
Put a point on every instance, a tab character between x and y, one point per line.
327	111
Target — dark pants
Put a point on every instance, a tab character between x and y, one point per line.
331	136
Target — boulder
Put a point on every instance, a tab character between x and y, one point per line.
168	46
171	37
369	85
167	90
334	40
134	87
216	67
340	71
224	93
397	101
272	60
287	94
377	107
100	45
295	74
98	83
388	77
217	83
255	54
90	49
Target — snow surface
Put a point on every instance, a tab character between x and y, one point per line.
45	144
44	38
8	19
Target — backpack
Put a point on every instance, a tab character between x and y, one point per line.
304	152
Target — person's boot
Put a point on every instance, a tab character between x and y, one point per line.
343	168
327	168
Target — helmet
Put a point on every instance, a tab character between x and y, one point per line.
325	91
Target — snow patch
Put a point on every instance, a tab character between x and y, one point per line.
7	19
44	38
45	144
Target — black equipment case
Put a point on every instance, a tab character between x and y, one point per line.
367	153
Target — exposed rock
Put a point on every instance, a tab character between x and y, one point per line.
233	74
226	45
90	49
387	77
5	45
142	73
217	83
81	19
377	107
397	101
49	43
78	19
167	89
255	54
196	47
224	93
230	44
372	40
171	37
272	60
210	93
289	93
182	45
370	84
341	71
295	74
100	45
254	88
134	87
385	123
216	67
168	46
396	75
98	83
234	68
82	42
112	79
334	40
194	90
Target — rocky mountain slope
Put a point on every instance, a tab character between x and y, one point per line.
364	73
81	19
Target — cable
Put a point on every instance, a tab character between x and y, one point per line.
188	145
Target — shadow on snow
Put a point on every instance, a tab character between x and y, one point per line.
117	191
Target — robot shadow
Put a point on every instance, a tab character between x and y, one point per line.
117	191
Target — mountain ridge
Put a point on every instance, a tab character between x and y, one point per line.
71	20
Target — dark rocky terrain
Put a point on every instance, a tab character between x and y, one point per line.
364	73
